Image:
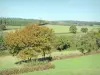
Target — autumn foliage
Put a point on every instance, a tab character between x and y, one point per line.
30	41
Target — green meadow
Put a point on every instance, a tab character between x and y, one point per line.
85	65
57	28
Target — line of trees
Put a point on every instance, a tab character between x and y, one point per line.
73	29
20	21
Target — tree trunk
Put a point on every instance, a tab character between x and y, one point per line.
44	54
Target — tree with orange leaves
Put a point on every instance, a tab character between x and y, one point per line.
30	41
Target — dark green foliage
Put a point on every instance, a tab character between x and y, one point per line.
2	27
79	23
84	30
36	61
62	43
62	46
98	42
1	39
20	21
2	24
73	29
2	45
3	51
98	38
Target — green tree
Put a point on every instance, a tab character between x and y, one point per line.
27	53
73	29
2	27
62	43
87	43
84	30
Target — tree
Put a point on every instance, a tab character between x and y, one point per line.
32	37
98	38
27	53
2	27
62	43
84	30
87	43
73	29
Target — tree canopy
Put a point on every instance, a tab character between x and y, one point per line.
33	38
84	30
73	29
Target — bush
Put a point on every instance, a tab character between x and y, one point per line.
35	61
72	55
26	69
2	27
2	45
62	43
84	30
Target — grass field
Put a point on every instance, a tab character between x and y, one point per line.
8	61
56	28
13	28
65	29
85	65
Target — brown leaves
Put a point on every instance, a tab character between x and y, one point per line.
32	36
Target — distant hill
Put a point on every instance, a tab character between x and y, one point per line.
79	23
21	22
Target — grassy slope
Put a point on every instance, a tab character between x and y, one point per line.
85	65
7	62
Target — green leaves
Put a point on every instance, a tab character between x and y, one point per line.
87	43
84	30
73	29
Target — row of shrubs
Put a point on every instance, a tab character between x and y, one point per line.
13	71
74	55
35	63
36	60
66	56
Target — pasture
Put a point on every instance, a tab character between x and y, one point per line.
85	65
65	29
60	30
8	61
